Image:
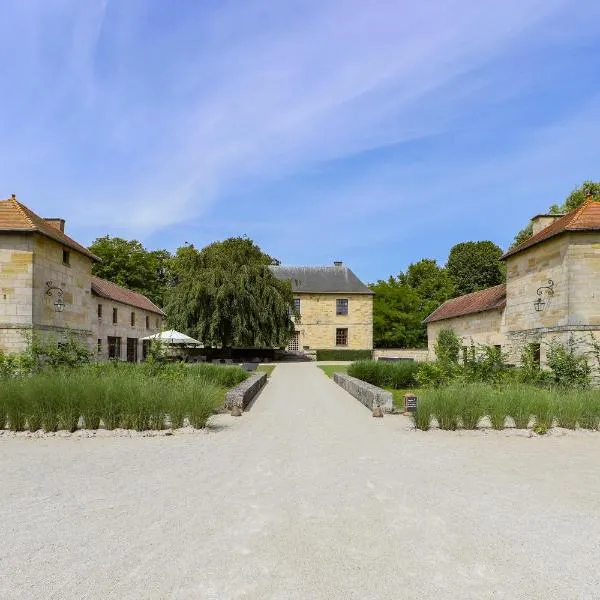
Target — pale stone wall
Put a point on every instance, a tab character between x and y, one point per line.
16	300
104	327
318	321
413	354
478	328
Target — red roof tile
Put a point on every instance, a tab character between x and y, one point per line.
15	216
584	218
112	291
493	298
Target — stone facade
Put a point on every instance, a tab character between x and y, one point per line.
132	325
417	355
40	268
565	268
366	393
319	322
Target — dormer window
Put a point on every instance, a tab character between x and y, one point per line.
66	258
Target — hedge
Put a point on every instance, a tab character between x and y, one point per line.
396	375
340	354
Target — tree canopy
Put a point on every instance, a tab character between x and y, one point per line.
588	189
226	295
128	263
401	303
475	266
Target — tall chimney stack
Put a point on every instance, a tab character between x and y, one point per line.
56	223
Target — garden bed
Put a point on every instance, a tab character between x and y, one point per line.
130	397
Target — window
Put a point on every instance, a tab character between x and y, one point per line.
535	353
66	258
114	347
132	350
341	306
145	348
293	343
147	322
295	309
99	311
132	319
157	323
297	305
99	345
115	316
341	337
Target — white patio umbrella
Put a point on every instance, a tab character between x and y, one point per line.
174	338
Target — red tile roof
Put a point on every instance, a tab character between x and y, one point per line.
112	291
584	218
493	298
15	216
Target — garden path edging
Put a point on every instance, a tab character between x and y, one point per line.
242	394
366	393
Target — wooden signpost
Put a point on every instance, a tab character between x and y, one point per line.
410	403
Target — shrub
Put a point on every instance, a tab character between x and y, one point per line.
341	354
436	374
447	346
397	375
568	368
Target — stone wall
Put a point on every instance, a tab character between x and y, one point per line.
16	300
319	321
366	393
418	355
241	395
477	328
104	327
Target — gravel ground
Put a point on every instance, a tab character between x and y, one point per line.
304	497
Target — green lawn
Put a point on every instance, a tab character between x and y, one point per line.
268	369
329	370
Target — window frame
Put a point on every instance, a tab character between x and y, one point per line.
132	318
66	257
115	318
100	311
345	304
147	322
99	346
338	334
114	347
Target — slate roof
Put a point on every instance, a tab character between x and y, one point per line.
112	291
493	298
584	218
15	216
322	280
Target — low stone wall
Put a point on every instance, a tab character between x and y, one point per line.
370	395
241	395
407	353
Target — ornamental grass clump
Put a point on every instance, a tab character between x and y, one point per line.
497	408
422	416
518	399
470	404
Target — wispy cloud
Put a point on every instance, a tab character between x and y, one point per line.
136	117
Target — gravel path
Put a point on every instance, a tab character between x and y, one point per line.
304	497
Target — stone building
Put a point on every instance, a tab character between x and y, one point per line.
335	307
552	291
47	289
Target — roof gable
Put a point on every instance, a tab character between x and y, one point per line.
15	216
112	291
321	280
584	218
493	298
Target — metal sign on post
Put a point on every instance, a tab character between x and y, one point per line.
410	403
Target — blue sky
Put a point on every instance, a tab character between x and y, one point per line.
375	132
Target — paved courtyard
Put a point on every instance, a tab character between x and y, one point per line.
304	497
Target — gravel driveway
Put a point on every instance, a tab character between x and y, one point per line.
304	497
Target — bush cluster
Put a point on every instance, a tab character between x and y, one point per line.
521	406
115	395
341	354
397	375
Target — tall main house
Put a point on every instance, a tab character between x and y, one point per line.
335	307
47	288
552	291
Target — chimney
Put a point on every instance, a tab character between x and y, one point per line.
540	222
56	223
337	263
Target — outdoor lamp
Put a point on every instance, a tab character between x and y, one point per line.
539	304
59	304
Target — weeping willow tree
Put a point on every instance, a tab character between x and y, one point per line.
226	295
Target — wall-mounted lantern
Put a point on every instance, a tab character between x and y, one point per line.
59	304
540	303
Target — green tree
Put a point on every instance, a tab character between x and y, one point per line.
475	266
128	263
401	303
226	295
588	189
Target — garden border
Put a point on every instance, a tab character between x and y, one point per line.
368	394
243	393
